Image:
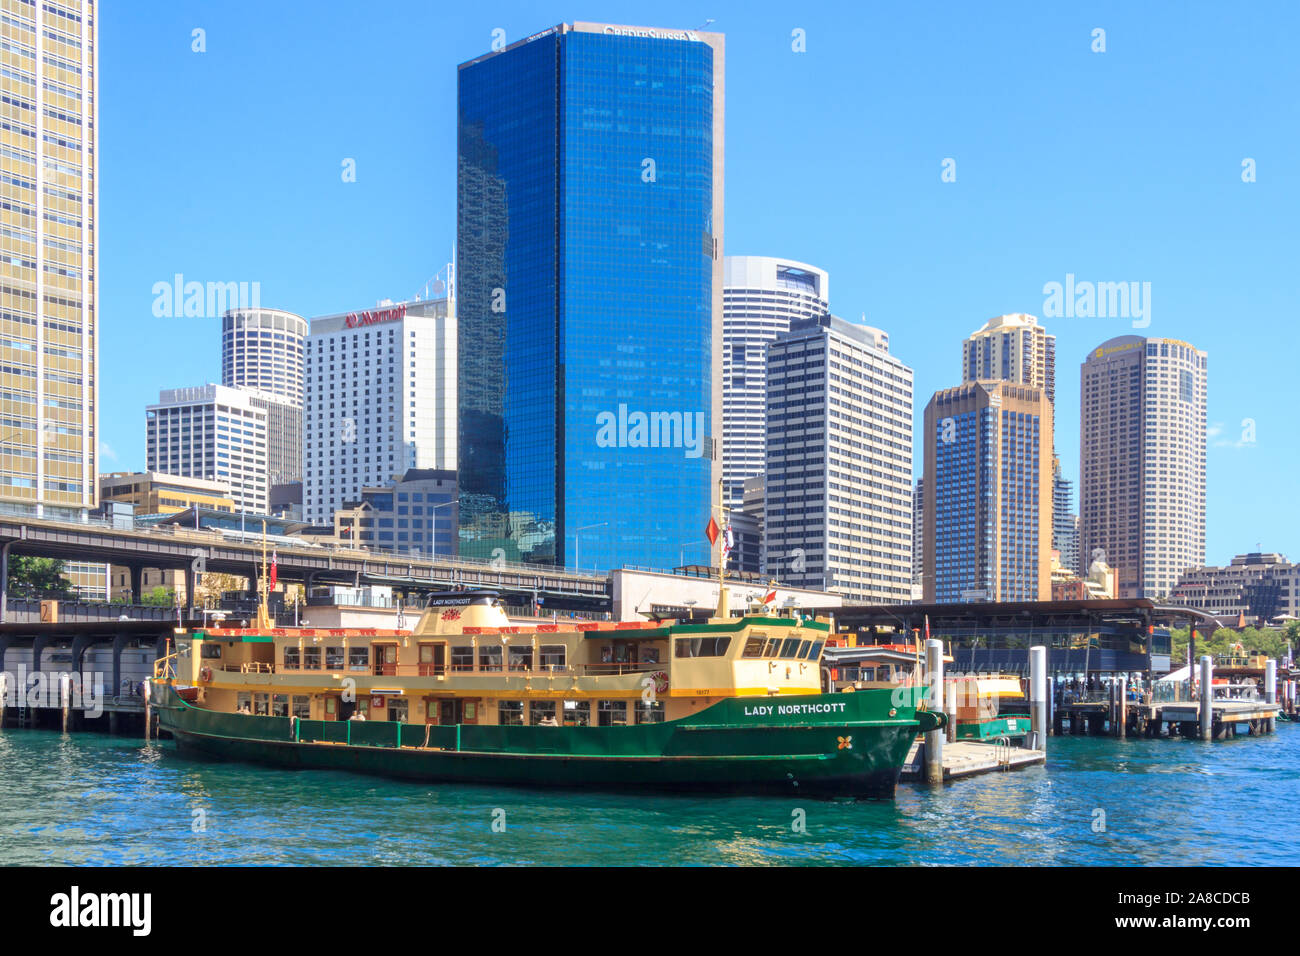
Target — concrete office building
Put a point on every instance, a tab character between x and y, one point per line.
380	399
49	230
988	494
155	493
212	432
590	236
838	505
1065	523
414	515
918	536
1257	588
760	297
1142	461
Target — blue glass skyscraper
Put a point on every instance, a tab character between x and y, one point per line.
589	295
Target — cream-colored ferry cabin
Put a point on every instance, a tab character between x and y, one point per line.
465	663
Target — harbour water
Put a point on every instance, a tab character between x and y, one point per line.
100	800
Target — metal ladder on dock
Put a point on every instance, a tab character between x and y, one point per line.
1002	751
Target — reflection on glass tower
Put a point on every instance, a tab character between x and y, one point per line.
589	246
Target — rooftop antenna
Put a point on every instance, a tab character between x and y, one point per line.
706	24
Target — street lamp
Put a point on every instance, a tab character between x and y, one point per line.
577	541
681	551
433	510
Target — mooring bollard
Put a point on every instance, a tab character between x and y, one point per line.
950	708
1207	698
1270	693
63	699
1038	697
1122	730
934	738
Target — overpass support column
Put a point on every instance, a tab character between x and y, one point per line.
190	580
4	583
137	583
119	642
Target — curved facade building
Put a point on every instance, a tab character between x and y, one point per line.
761	296
263	348
1142	461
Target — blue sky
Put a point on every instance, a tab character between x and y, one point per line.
1117	166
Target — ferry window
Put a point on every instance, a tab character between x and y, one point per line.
510	713
358	659
553	656
773	647
334	658
612	713
521	658
649	655
262	704
211	651
279	705
804	648
816	651
702	646
301	706
791	647
650	712
292	661
577	713
489	658
244	700
462	658
754	647
311	658
539	710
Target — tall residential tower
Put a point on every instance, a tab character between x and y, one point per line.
988	494
1142	461
589	238
49	317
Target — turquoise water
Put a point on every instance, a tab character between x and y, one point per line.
94	799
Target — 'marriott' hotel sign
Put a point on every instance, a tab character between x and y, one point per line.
355	319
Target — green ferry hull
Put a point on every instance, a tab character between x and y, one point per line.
819	745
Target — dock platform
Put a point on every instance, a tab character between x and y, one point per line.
1230	718
965	758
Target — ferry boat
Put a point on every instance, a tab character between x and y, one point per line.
987	706
730	705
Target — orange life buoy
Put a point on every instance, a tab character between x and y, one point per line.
205	674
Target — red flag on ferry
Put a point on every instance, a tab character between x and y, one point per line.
927	627
711	531
273	574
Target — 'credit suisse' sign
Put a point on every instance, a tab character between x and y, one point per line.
356	319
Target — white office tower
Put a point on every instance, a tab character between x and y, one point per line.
838	505
212	432
760	297
380	399
262	348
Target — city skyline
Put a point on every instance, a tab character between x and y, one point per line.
930	295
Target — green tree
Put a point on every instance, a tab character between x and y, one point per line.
44	575
161	596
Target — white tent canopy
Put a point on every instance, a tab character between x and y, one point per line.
1176	677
